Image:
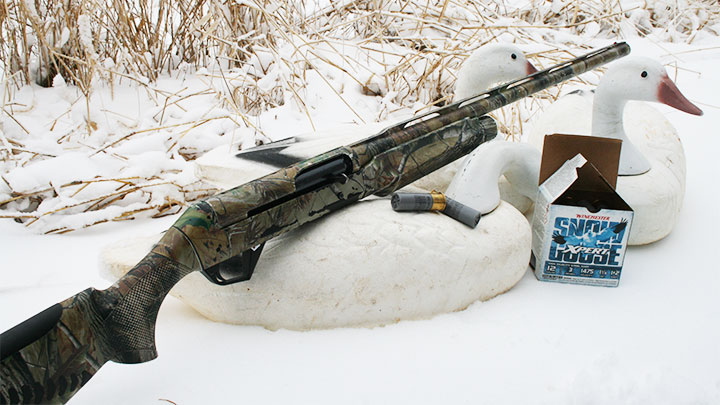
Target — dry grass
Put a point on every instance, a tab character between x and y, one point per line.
125	187
260	53
86	40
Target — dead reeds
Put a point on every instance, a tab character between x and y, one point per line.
251	57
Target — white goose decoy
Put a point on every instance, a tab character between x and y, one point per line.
486	67
474	180
652	162
365	265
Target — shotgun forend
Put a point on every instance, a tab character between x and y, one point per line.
49	357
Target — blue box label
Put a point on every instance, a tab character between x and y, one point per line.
582	247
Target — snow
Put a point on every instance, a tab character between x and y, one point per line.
654	339
86	34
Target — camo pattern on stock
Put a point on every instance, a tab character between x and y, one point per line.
94	327
54	367
49	357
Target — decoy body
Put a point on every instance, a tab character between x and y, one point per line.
366	264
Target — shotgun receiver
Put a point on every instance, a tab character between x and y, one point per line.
49	357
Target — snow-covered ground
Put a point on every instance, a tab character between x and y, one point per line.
654	339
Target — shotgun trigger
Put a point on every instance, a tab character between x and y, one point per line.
235	269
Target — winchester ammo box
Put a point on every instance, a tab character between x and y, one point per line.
580	224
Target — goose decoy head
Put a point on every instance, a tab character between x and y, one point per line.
635	78
645	79
490	65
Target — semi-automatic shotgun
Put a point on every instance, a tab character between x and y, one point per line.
50	356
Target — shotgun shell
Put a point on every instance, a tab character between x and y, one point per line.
463	213
412	202
435	201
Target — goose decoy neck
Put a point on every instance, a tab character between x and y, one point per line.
607	122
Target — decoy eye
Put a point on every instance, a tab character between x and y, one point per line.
643	74
513	56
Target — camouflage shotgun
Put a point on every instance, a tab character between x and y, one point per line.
49	357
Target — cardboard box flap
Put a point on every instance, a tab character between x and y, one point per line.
591	179
579	183
562	178
592	191
603	153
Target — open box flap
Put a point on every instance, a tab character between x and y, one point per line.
603	153
592	191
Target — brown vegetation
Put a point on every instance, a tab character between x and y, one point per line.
262	51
